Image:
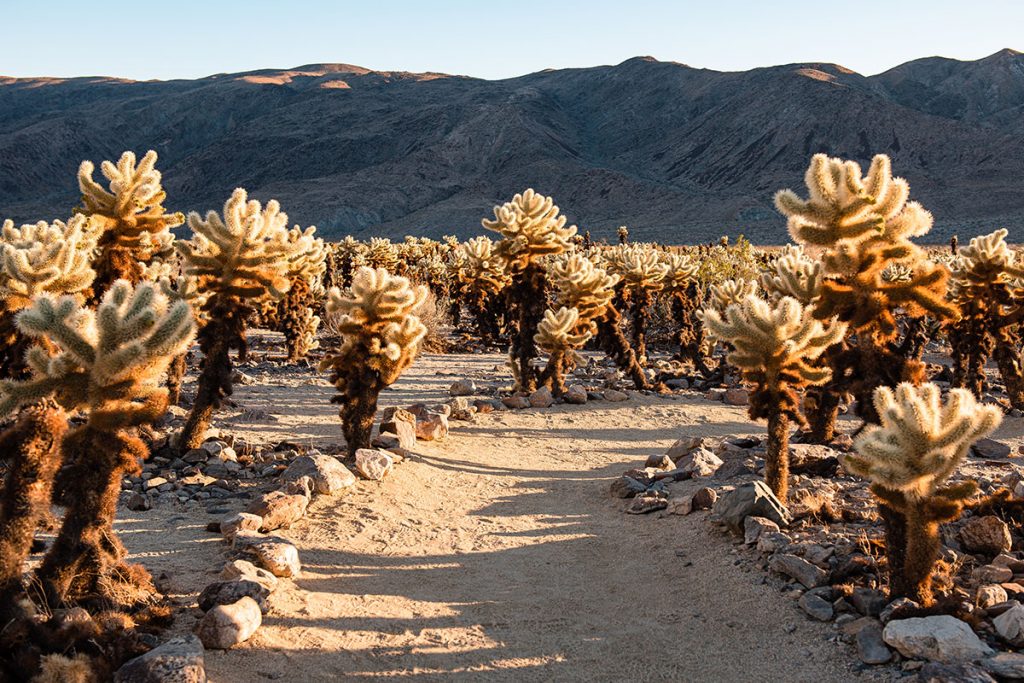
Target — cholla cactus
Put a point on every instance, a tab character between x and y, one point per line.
483	277
623	234
908	459
381	335
641	272
531	228
294	314
381	253
730	292
582	285
560	333
684	286
775	347
40	258
793	274
987	289
241	260
134	224
864	225
109	364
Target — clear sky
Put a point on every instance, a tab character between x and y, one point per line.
489	39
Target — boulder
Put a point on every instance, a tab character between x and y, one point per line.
684	446
626	487
990	449
753	498
940	638
871	648
988	535
230	592
698	463
279	509
704	498
328	474
1005	665
1010	625
373	464
225	626
402	424
754	527
179	660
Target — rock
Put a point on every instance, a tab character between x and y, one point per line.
646	503
1005	665
278	509
225	626
179	660
990	595
542	398
660	462
990	449
626	487
154	483
798	568
895	607
615	396
704	499
432	426
736	397
402	424
516	402
373	464
240	521
462	409
462	387
698	463
772	542
991	573
576	394
754	527
937	672
1010	625
816	607
243	569
684	446
680	506
274	554
870	647
196	456
989	535
230	592
754	498
868	601
328	474
385	441
716	394
1009	561
940	638
138	502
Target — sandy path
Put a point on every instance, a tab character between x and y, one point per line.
499	555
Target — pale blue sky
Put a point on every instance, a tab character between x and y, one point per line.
188	38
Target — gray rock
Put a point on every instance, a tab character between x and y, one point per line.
542	398
870	647
894	606
516	402
940	638
240	521
699	463
626	487
576	394
683	446
989	535
328	474
704	498
816	607
225	626
660	462
462	387
868	601
1005	665
615	396
373	464
772	542
754	498
179	660
798	568
1010	625
990	449
646	503
243	569
138	502
991	573
754	527
937	672
230	592
736	396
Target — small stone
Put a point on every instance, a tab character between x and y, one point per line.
542	398
680	506
754	527
940	638
644	504
989	595
402	424
273	553
230	592
937	672
896	606
243	569
699	463
328	474
660	462
753	498
240	521
704	499
154	483
991	573
626	487
462	409
736	397
798	568
373	464
716	394
1010	625
196	456
615	396
1005	665
576	394
179	660
278	509
868	601
684	446
516	402
871	648
816	607
988	535
462	387
225	626
431	426
138	502
990	449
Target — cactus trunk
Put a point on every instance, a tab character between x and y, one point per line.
527	298
613	342
175	376
641	314
822	410
32	445
1007	358
776	466
690	332
359	407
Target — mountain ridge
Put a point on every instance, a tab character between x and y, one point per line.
677	153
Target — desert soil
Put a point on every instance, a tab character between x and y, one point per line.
497	554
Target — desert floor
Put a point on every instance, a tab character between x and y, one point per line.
497	554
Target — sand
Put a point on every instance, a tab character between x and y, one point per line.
499	555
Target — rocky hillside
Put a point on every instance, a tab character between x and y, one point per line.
678	154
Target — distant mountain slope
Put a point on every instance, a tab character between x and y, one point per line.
678	154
